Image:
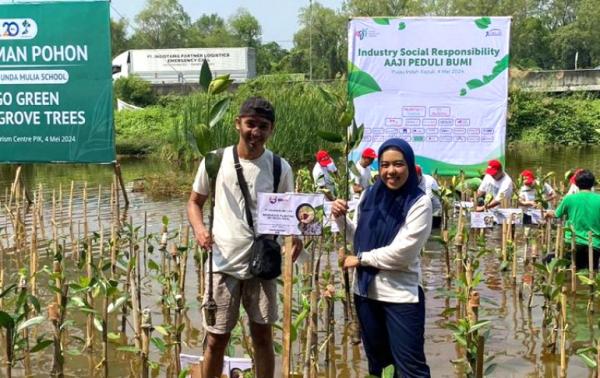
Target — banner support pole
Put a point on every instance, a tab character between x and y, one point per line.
117	167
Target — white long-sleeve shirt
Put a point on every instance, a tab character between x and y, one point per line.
399	263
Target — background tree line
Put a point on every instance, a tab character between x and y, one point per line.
546	34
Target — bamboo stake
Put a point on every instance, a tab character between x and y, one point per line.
145	241
573	265
99	204
311	357
60	209
288	276
33	248
446	239
74	251
563	336
557	247
504	242
590	306
146	334
135	306
89	330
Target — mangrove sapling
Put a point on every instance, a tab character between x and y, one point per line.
212	162
552	278
17	324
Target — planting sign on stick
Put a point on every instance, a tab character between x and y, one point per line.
55	83
439	83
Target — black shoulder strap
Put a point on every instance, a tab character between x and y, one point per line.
243	187
276	172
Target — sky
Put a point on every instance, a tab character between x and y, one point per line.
278	19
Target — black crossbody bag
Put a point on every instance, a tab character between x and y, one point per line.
265	260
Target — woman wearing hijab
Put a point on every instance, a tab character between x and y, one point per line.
393	224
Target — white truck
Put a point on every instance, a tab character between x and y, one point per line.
180	66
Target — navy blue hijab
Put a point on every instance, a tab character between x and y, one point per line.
383	211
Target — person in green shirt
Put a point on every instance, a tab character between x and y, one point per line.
582	211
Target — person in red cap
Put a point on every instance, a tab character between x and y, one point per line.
362	180
528	198
497	184
323	172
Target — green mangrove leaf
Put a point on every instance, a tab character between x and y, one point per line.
483	22
113	336
205	76
199	141
479	325
129	349
360	83
159	344
353	169
98	324
184	372
219	84
40	345
7	290
161	330
381	20
359	137
388	372
346	117
329	136
218	111
6	321
116	304
165	220
590	362
30	323
212	161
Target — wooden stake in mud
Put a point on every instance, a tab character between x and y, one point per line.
563	334
146	333
74	251
590	306
573	265
121	183
288	276
33	254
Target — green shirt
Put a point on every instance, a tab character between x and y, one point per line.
582	210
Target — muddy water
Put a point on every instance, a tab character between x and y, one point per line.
515	340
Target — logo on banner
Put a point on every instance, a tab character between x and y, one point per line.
17	28
365	33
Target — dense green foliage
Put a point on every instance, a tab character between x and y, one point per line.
301	111
535	118
546	34
134	90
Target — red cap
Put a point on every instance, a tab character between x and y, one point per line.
494	166
369	153
323	158
572	179
528	177
419	170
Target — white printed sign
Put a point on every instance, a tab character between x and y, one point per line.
440	83
536	216
482	219
290	213
513	216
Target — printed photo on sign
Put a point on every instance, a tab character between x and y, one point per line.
290	214
512	216
482	220
536	216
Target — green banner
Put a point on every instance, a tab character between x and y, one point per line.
56	83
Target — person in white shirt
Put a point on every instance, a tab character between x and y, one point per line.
232	238
323	173
428	184
362	181
528	192
495	183
393	223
